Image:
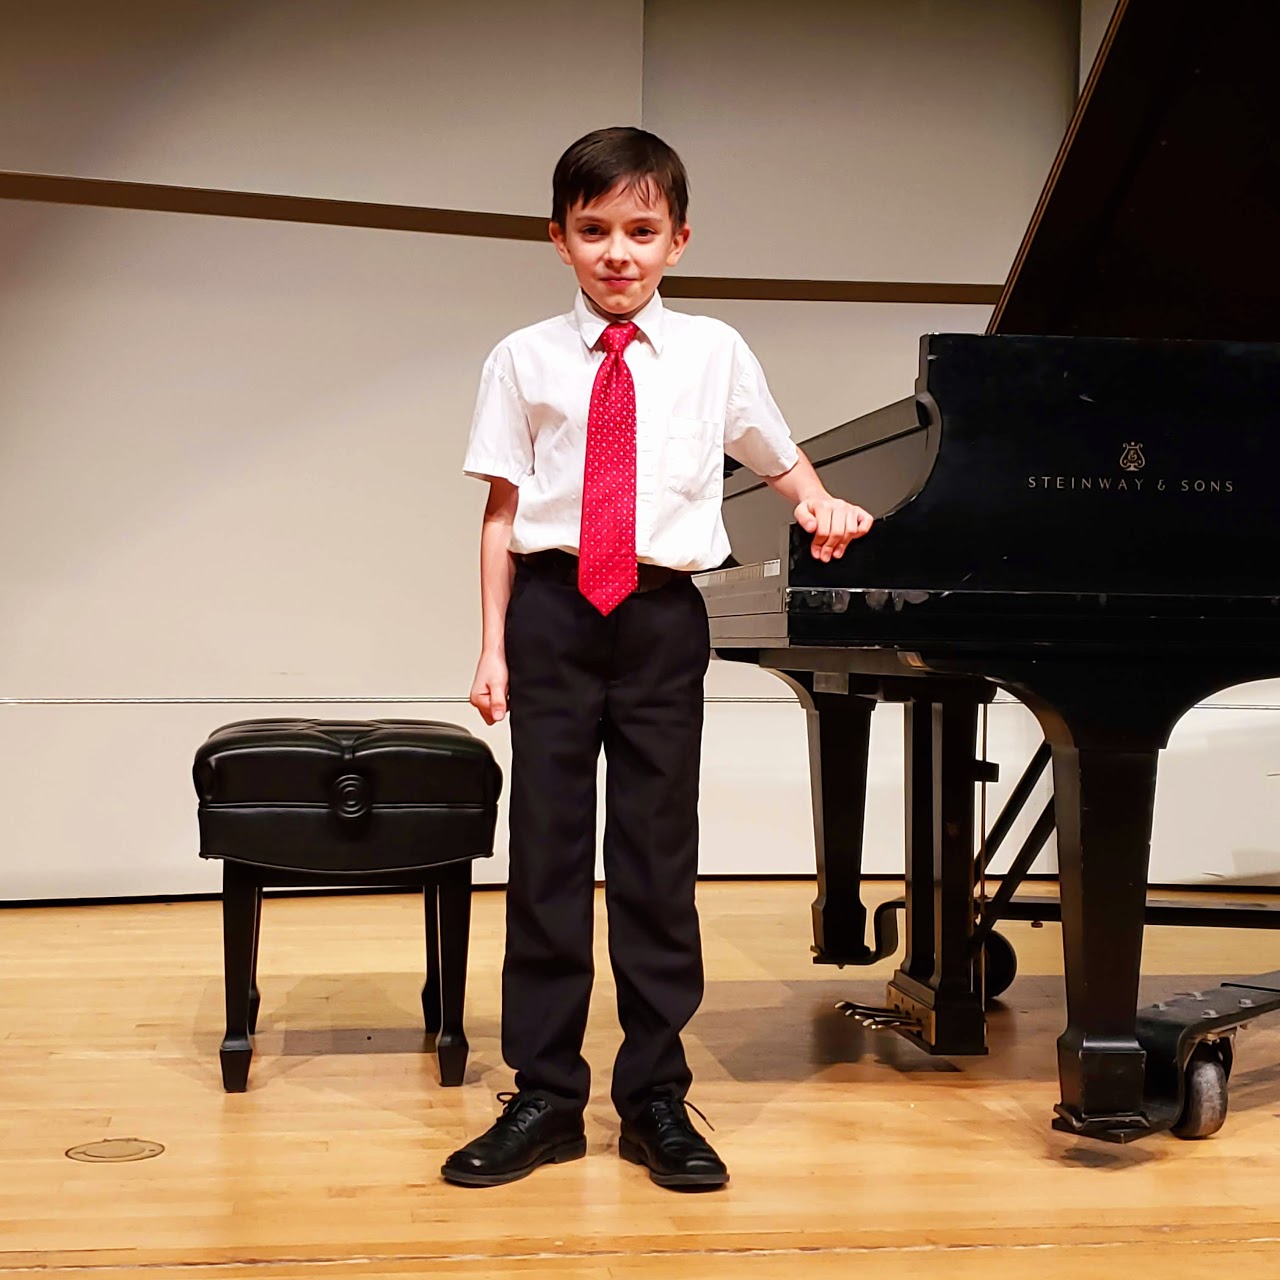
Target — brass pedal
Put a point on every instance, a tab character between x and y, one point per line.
879	1017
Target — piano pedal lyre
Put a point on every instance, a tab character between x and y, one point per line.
879	1017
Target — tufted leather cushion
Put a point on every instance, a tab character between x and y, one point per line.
346	796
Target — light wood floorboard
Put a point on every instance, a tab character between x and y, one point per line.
850	1151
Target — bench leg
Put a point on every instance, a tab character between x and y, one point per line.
431	988
255	997
241	894
455	931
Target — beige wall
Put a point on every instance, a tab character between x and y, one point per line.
229	449
431	102
858	139
1094	16
239	442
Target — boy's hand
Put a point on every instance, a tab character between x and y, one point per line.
834	524
489	688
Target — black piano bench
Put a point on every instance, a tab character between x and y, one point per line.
400	803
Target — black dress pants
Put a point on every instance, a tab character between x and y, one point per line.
632	684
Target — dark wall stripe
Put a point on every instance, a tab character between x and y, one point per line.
102	193
826	290
106	194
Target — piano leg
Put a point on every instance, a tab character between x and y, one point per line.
936	984
917	731
1107	729
839	733
1104	801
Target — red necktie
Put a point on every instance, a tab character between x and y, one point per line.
607	542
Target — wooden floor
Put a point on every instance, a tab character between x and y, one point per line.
851	1153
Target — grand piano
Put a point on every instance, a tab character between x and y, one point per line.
1078	507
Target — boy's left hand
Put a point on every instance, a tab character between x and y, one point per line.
834	524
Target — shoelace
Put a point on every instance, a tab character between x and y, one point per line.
668	1110
516	1106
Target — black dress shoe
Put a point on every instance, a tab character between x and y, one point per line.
676	1154
529	1132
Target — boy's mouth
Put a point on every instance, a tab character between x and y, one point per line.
619	282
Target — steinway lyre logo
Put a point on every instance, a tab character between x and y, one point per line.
1131	459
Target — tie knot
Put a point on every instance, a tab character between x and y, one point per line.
616	336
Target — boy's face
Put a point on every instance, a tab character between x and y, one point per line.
619	245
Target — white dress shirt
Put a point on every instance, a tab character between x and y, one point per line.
700	393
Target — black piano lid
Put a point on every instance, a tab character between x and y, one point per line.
1160	214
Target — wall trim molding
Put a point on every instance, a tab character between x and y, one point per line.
288	701
375	700
106	193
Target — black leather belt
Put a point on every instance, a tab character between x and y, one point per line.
560	566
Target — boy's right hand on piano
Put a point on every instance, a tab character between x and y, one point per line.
833	522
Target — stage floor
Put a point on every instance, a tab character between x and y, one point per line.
852	1153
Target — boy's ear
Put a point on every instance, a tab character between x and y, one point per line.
556	232
678	242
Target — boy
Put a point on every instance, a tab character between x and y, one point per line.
601	434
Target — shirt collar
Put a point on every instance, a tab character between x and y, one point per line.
650	320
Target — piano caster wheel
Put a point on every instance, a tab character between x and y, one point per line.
1204	1106
1000	963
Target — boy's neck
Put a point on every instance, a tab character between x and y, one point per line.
616	317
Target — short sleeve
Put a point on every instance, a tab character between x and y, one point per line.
755	432
500	445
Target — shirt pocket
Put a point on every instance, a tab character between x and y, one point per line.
694	458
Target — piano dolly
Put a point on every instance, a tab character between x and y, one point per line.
1190	1046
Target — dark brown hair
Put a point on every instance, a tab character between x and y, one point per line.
599	161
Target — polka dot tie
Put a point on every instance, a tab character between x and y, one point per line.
607	543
